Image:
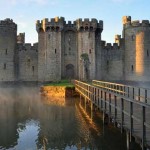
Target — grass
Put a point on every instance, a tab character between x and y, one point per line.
65	83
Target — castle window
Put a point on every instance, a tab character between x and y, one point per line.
32	68
6	51
47	29
55	51
148	53
91	28
57	29
52	28
4	65
49	36
81	29
69	49
132	68
86	28
89	51
133	37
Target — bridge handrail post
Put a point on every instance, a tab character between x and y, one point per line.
133	94
101	99
139	94
104	101
128	91
145	96
122	114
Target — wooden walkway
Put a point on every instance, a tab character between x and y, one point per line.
127	106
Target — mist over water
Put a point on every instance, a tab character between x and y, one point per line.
30	121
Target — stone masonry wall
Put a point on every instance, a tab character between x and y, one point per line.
28	60
69	54
8	33
112	62
137	48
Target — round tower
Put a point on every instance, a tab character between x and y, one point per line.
8	60
137	49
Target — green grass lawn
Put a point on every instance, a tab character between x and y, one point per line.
65	83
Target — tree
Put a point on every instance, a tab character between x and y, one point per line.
86	63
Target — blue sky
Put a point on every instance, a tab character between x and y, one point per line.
26	12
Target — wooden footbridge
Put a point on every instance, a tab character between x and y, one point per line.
127	106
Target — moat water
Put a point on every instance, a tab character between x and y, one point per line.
29	121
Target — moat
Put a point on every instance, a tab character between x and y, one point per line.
30	121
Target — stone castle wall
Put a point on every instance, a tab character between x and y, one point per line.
112	62
61	47
8	33
28	59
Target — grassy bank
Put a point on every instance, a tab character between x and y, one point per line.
65	83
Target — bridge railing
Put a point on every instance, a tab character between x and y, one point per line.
124	104
132	92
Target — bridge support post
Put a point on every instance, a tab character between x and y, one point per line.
131	119
143	128
122	114
128	140
109	107
115	118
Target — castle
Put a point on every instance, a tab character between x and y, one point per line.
75	51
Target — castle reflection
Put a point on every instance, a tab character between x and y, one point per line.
30	121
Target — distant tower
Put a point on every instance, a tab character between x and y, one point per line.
137	49
86	39
49	49
118	39
8	53
21	38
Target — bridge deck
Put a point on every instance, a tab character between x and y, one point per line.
129	106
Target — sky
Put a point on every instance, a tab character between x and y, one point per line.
25	13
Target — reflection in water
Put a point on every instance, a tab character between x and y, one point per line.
28	134
29	121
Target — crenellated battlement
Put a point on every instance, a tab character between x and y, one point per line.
8	23
127	22
70	24
88	25
58	24
109	46
27	47
54	24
